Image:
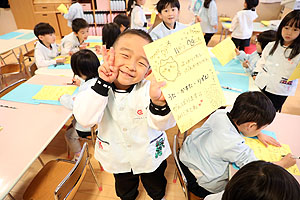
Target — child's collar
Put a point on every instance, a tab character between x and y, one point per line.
229	117
44	44
168	27
115	89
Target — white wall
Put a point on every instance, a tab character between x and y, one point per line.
7	21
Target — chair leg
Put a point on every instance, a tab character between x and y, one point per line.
41	161
10	196
94	175
100	166
68	152
175	176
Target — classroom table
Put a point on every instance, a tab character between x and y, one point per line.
286	127
23	37
27	130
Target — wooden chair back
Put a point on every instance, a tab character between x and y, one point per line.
9	88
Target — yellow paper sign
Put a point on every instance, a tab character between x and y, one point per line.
270	153
265	23
295	74
51	92
182	60
153	16
224	51
67	58
62	8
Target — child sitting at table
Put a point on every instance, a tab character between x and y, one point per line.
45	49
208	151
168	11
250	60
84	64
72	42
123	22
132	116
260	180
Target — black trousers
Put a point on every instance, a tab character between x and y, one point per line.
241	43
192	183
207	37
155	183
277	100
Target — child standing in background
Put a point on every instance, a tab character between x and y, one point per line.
137	14
132	116
75	11
45	49
249	60
84	64
242	24
208	18
168	11
74	41
110	32
123	22
279	60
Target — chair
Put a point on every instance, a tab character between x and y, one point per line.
7	54
29	54
31	69
181	176
60	179
9	88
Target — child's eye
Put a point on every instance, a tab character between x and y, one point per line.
143	64
124	55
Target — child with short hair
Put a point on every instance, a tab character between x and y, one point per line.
72	42
249	60
132	116
242	24
168	11
278	61
45	49
260	180
110	32
84	64
208	151
123	22
75	11
137	15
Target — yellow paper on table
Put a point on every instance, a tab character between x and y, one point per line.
93	44
62	8
227	25
52	92
225	19
153	16
295	74
224	51
270	153
68	59
192	88
265	23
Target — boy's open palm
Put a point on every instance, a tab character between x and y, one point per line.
108	71
156	94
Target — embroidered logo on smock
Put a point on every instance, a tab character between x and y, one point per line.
100	145
160	144
140	112
285	81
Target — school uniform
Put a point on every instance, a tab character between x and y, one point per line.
44	56
69	43
138	18
209	150
242	27
252	58
274	72
72	135
75	11
217	196
209	19
131	139
161	30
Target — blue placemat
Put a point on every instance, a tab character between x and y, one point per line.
233	66
26	36
65	66
10	35
236	81
93	40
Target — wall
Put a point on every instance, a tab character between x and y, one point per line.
7	21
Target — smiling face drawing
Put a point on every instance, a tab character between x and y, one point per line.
169	69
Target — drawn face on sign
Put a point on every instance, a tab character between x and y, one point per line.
169	69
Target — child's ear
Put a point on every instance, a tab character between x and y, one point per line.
148	73
41	37
252	125
159	15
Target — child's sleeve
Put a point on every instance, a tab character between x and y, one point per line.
154	35
243	56
67	101
41	61
71	13
213	14
137	18
67	47
234	23
89	105
262	61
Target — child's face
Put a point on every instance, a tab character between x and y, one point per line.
289	34
141	2
249	129
131	60
169	15
48	38
83	34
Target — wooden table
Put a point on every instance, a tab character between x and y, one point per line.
26	132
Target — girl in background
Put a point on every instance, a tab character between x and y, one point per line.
137	14
75	11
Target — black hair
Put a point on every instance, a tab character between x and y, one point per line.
251	4
110	32
162	4
130	6
265	37
122	20
291	19
253	107
78	24
137	32
85	62
262	180
206	3
43	29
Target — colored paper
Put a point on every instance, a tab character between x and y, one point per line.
93	44
52	92
227	25
93	41
224	51
192	88
153	16
62	8
65	66
234	66
295	74
225	19
235	81
68	59
271	153
265	23
26	36
10	35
